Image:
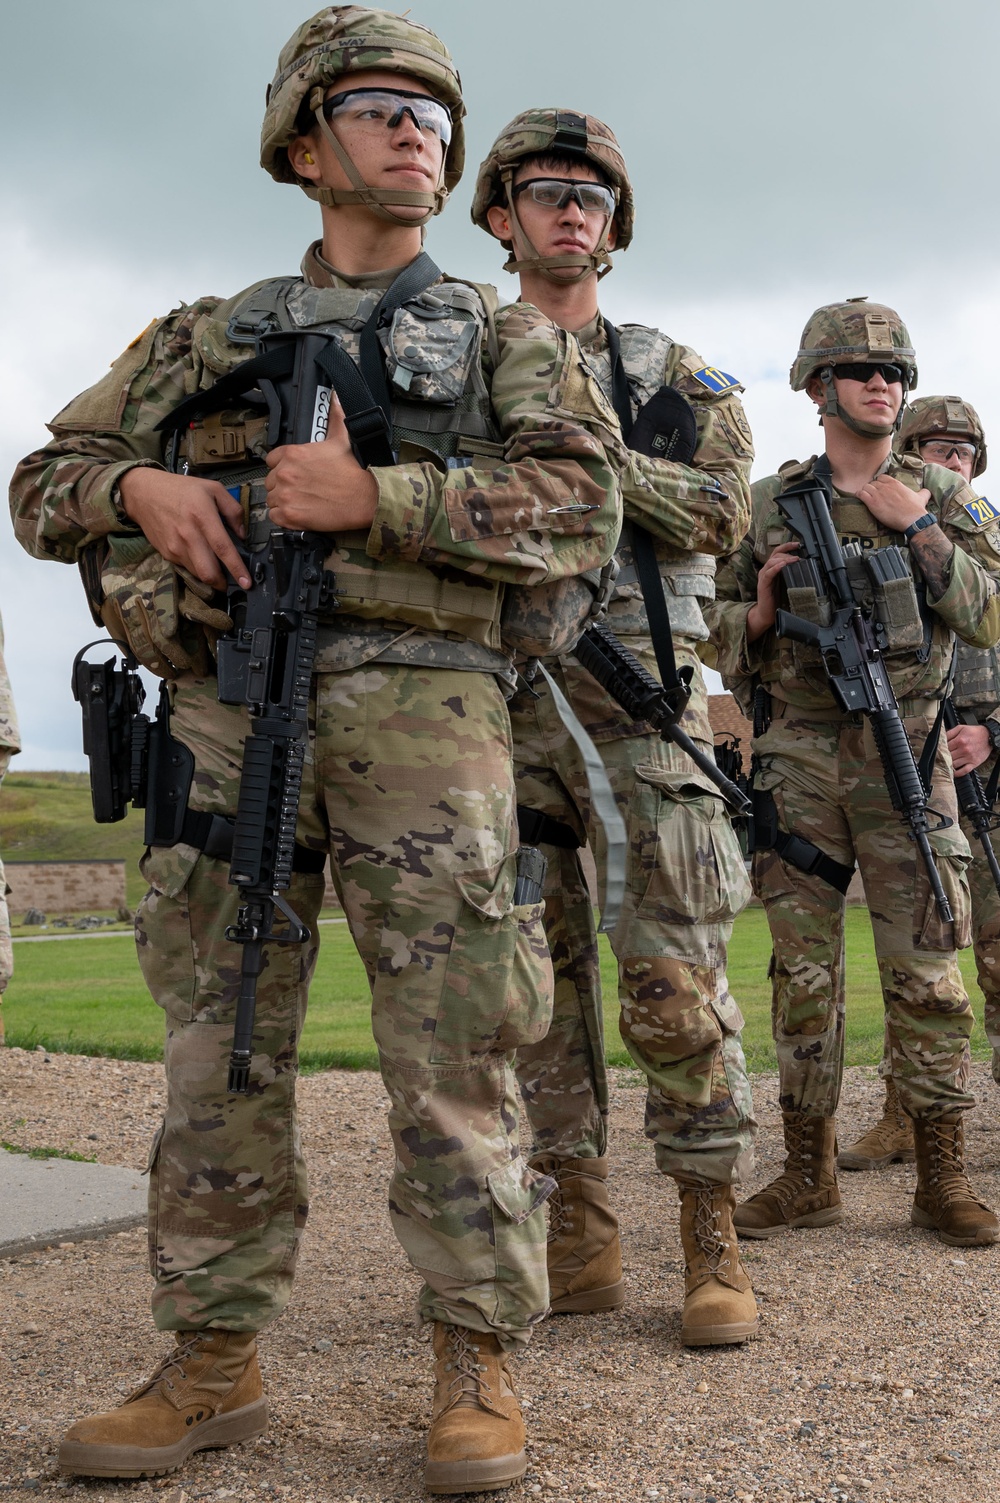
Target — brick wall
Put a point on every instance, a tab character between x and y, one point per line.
64	886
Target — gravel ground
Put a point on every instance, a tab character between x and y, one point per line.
875	1376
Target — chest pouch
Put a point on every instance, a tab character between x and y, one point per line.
805	592
885	585
429	350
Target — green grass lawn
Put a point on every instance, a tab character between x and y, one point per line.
86	996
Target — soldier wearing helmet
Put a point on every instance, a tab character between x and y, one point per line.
947	431
555	191
820	794
408	784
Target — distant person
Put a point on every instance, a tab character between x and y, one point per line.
555	191
10	742
947	431
831	808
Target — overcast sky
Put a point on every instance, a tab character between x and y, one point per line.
785	154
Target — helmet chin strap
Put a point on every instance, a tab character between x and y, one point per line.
375	199
831	408
598	259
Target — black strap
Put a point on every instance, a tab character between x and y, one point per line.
990	791
808	858
643	548
536	828
212	834
273	365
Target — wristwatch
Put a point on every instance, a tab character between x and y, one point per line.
992	729
925	521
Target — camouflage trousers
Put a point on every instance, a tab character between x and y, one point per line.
985	931
409	786
827	783
685	882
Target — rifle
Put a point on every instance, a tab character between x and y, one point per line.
621	673
266	662
972	799
852	659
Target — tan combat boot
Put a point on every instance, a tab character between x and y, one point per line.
890	1141
206	1393
476	1440
719	1307
805	1192
584	1252
944	1201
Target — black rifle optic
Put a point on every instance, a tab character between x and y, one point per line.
972	799
852	660
664	428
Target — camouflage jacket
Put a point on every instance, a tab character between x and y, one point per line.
694	512
970	606
543	507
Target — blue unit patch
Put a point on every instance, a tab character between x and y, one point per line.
982	511
715	380
234	491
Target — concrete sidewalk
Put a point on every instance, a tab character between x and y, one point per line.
60	1200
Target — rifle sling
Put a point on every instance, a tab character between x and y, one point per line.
643	548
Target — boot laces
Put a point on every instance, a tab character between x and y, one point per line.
948	1175
169	1362
798	1164
463	1361
706	1229
560	1216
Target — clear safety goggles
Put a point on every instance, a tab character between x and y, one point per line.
375	109
557	192
940	450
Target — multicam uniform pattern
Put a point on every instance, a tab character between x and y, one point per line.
976	696
409	785
10	742
685	879
824	773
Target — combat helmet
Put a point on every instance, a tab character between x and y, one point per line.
347	39
564	132
854	332
942	417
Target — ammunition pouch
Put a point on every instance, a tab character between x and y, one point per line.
883	585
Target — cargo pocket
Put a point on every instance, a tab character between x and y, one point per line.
497	990
163	937
686	862
930	930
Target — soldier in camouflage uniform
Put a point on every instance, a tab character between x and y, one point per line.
503	484
948	432
823	772
555	190
10	742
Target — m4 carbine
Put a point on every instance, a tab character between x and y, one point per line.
852	660
972	800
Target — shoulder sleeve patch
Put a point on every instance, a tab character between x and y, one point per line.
715	380
982	511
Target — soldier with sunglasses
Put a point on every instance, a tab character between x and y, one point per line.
818	772
947	431
491	480
555	190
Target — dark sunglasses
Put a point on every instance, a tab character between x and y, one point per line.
864	373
